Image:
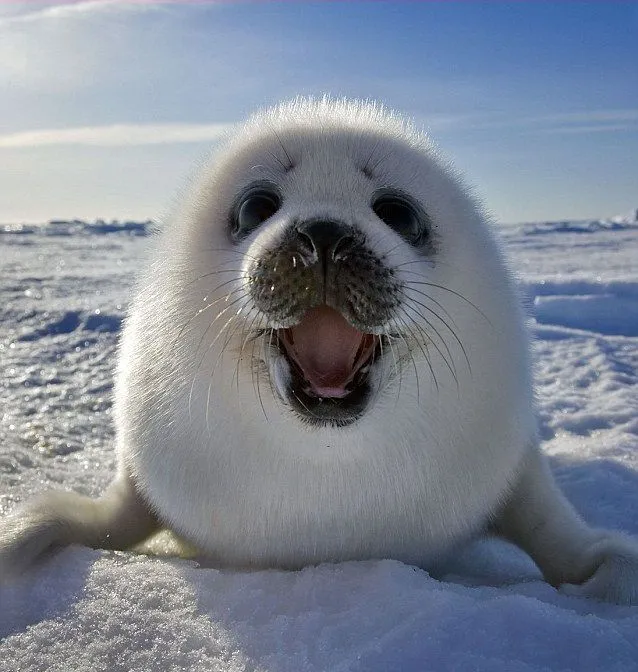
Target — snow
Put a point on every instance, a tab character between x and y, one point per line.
64	288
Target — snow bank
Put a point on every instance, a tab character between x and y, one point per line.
120	612
75	227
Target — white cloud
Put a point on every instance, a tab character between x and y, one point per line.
589	128
585	122
591	116
24	13
563	122
116	135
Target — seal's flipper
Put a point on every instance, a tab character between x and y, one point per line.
581	560
117	520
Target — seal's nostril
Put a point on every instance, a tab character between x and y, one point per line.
343	246
306	245
325	239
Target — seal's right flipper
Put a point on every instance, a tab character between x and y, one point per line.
117	520
581	560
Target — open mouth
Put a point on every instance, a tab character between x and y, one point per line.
329	365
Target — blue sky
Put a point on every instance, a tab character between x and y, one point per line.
106	108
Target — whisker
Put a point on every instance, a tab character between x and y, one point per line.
267	356
374	355
231	333
290	161
365	169
243	340
226	326
314	415
451	291
397	372
239	271
379	161
220	314
416	369
254	363
197	370
427	339
434	301
240	253
205	308
255	369
449	328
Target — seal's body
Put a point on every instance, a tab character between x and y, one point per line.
326	360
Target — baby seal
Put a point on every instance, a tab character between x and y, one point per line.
326	360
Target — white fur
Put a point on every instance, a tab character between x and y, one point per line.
208	446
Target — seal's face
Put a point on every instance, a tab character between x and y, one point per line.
321	289
330	299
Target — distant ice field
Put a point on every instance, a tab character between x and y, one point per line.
64	289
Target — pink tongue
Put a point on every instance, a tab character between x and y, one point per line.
325	347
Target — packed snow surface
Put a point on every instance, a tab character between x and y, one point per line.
64	289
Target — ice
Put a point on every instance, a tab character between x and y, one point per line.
63	299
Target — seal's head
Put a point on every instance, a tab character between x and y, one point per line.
329	239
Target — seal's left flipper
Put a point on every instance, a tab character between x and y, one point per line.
117	520
579	559
615	577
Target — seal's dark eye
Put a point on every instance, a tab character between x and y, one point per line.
255	207
401	215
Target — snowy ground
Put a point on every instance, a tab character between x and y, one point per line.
63	291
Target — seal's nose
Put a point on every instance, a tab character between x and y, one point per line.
321	241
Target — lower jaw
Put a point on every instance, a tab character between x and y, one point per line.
329	411
311	409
